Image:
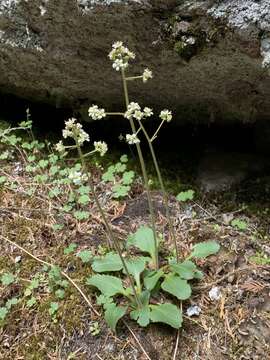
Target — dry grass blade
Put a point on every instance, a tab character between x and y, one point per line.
52	265
176	345
137	341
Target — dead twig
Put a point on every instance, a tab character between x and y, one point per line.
218	281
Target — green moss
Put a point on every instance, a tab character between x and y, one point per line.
179	48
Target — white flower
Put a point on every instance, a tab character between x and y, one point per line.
70	123
138	115
77	177
75	131
117	44
215	293
60	147
101	147
134	111
166	115
120	55
147	74
82	137
132	108
132	139
147	112
96	113
119	64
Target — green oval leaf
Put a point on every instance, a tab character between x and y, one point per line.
135	267
185	195
106	284
151	279
7	279
239	224
186	270
174	285
143	239
166	313
110	262
204	249
85	255
3	312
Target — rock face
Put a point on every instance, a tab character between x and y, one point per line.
209	57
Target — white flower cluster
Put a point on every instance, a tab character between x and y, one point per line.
77	177
120	55
101	147
134	111
96	113
60	147
147	74
75	131
132	139
166	115
147	112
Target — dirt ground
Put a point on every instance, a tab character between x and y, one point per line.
236	326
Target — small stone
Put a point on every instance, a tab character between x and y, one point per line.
215	293
17	259
181	27
193	310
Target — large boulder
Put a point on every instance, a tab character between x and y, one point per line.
209	57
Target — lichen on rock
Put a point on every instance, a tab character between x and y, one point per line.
87	5
250	18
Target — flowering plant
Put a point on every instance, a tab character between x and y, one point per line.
130	273
144	273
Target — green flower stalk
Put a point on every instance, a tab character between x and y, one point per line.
74	130
143	167
164	192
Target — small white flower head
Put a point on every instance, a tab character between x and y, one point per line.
75	131
147	74
60	147
83	137
101	147
147	112
132	139
96	113
166	115
77	177
119	64
120	56
138	115
132	108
